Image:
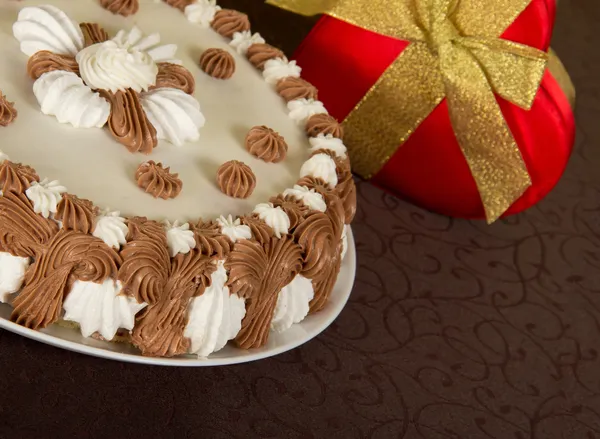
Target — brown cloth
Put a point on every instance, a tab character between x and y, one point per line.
454	329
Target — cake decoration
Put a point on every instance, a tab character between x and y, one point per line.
75	213
295	209
45	196
209	239
215	316
324	124
100	308
292	303
12	274
241	41
16	177
121	7
157	180
227	22
145	268
266	144
180	239
159	331
311	198
279	68
291	88
174	76
93	33
8	113
261	231
329	143
274	217
179	4
110	227
234	229
44	61
259	54
301	110
217	63
202	12
321	166
258	273
236	179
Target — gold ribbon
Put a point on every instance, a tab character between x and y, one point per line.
455	53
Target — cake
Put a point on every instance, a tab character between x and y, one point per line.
168	179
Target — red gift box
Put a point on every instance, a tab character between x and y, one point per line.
344	61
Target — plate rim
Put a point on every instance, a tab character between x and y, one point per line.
335	308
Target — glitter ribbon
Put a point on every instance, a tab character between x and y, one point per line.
455	53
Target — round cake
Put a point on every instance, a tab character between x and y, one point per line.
167	177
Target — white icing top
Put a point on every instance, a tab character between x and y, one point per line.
45	196
110	227
320	166
234	229
310	197
275	217
135	41
100	308
292	303
302	109
180	239
202	12
175	115
279	68
64	95
214	317
242	41
47	28
107	66
329	143
12	273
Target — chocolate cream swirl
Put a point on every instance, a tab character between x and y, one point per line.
158	181
260	230
76	214
121	7
217	63
266	144
296	210
236	179
258	54
179	4
68	257
45	61
174	76
291	88
93	33
209	239
128	122
146	260
324	124
160	329
8	113
228	21
16	177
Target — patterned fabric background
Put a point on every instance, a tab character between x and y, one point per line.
454	329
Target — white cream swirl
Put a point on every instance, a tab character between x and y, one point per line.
45	196
180	239
234	229
274	217
106	66
242	41
110	227
202	12
311	198
135	40
329	143
279	68
47	28
302	109
12	273
65	96
292	303
215	316
320	166
175	115
100	308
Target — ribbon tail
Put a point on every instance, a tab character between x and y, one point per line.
392	109
557	69
513	70
483	135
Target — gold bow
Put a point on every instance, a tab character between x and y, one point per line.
455	53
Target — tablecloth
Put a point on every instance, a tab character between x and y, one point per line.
454	329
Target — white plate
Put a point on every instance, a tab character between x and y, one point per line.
313	325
